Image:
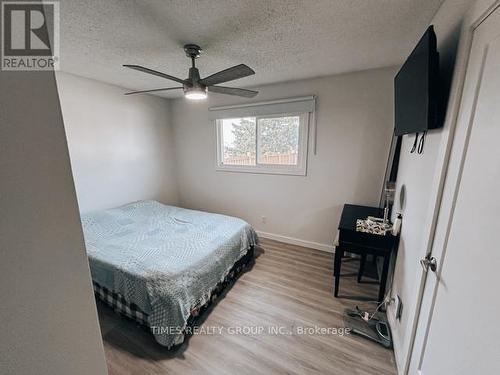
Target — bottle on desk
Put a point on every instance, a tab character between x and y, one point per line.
396	227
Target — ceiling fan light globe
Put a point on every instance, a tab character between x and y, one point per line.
195	94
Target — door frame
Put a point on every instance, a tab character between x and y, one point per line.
443	196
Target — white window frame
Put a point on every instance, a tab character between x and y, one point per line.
297	170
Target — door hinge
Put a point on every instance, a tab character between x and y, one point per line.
429	263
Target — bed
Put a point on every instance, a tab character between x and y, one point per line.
161	265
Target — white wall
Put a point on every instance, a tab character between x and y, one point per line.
47	311
355	121
419	175
120	146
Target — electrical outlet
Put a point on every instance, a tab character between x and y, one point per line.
398	307
263	219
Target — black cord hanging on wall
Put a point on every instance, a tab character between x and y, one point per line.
418	145
421	143
415	142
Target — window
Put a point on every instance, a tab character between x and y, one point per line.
263	144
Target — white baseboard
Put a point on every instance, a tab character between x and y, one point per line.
296	241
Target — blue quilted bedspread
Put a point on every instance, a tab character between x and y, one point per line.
164	259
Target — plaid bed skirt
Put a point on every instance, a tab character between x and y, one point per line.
119	304
130	310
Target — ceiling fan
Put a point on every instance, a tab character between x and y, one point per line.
195	87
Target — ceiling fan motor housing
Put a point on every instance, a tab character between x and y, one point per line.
193	81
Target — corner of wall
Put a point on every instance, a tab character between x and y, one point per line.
172	104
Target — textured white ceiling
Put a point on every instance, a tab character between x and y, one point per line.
281	40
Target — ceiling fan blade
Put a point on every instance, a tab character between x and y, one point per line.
232	91
153	90
154	72
229	74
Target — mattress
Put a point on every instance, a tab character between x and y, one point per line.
165	260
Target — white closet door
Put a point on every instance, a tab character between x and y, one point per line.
463	335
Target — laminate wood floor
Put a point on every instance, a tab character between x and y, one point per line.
289	288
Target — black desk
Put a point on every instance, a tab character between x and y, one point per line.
362	243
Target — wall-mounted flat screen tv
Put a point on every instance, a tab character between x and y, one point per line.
417	88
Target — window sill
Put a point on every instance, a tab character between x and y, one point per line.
263	170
